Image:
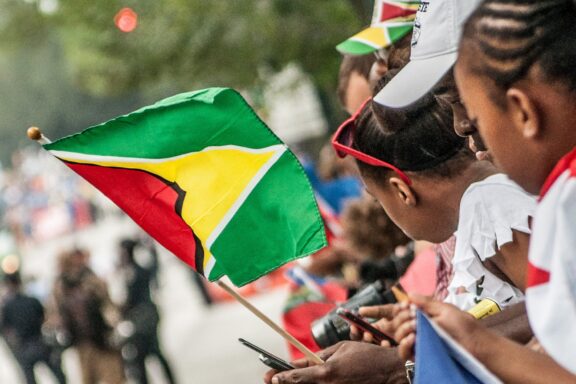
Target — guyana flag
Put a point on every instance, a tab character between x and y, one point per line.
204	176
391	21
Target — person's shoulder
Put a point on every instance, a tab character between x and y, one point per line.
498	189
566	194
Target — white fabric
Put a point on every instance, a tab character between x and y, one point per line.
489	210
435	40
552	304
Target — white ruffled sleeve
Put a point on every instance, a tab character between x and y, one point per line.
489	211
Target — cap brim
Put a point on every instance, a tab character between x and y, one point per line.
416	79
377	36
368	40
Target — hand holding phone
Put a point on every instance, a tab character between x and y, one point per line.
267	358
365	326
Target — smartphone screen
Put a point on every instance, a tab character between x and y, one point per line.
267	358
365	326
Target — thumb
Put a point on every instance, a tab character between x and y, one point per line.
428	305
308	375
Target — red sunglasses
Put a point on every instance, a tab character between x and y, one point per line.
342	144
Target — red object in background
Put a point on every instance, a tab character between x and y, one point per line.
420	277
266	283
126	20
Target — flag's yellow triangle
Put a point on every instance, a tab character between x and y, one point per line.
216	181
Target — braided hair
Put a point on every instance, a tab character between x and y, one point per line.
508	37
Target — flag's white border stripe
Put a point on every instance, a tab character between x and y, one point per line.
238	203
280	149
387	35
209	266
365	42
65	155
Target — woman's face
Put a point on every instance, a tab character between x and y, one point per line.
423	220
463	126
495	125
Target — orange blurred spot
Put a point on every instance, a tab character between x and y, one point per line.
126	20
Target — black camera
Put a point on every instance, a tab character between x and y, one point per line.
331	328
389	269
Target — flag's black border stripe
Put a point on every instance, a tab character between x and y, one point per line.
199	253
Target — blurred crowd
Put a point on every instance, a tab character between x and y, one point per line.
113	339
41	200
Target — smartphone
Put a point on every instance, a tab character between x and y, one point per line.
365	326
267	358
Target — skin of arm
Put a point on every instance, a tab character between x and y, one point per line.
513	363
512	323
510	263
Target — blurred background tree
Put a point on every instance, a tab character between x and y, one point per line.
64	65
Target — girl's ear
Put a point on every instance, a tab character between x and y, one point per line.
403	192
524	113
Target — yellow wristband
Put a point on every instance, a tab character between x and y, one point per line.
485	308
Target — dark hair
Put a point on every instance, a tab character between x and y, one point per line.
419	138
400	53
369	229
509	36
359	64
13	279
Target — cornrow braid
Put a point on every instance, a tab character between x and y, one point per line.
510	36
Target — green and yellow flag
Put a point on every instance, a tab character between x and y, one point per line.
204	176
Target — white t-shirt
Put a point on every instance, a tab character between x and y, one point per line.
489	210
551	288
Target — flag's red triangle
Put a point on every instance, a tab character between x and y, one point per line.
152	202
391	11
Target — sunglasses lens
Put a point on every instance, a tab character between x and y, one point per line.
345	137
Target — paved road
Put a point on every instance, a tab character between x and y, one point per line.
200	342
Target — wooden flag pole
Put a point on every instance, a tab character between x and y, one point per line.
35	134
288	337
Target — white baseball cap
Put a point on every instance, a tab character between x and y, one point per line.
435	42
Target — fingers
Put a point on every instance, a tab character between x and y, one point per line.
308	375
404	315
427	304
368	338
268	376
431	307
377	311
405	331
406	347
385	344
301	363
326	353
409	327
355	333
385	326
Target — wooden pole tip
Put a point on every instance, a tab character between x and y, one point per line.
34	133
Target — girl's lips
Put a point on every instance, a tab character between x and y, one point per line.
481	153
